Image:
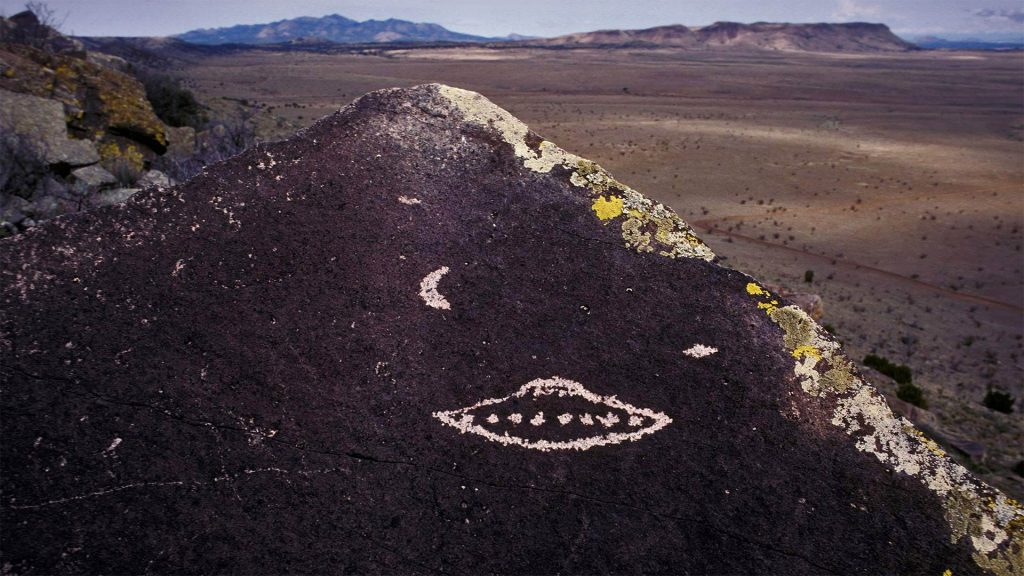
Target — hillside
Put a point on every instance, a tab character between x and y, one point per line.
852	37
332	28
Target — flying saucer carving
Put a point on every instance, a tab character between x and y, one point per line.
700	351
555	414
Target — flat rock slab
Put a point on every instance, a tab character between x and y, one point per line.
112	196
93	176
418	338
41	121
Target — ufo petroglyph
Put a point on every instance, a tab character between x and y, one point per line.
555	414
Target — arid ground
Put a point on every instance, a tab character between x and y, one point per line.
897	179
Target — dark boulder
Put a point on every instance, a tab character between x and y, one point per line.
417	338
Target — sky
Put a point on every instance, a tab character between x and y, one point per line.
986	19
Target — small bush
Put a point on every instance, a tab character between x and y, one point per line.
898	372
225	138
809	276
999	401
22	165
912	394
125	171
126	164
172	103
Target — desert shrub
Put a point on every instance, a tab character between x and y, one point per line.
898	372
999	401
126	164
125	171
912	394
171	102
22	165
809	276
225	138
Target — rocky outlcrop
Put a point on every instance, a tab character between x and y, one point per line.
94	176
418	337
97	100
25	28
41	123
72	124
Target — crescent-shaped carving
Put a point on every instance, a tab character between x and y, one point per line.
428	289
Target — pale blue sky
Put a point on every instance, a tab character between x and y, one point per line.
949	18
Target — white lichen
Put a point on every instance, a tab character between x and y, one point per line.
972	509
671	236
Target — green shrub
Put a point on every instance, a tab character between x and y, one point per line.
172	103
898	372
912	394
23	166
999	401
809	276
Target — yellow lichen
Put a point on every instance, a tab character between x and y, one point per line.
647	223
991	524
797	326
840	377
802	351
607	209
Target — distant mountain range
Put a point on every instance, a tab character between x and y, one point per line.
847	37
933	43
333	28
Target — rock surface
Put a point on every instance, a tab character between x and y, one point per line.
155	178
417	337
93	176
98	101
41	122
113	196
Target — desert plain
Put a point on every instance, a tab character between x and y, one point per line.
897	180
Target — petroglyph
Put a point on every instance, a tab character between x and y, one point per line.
619	422
700	351
428	290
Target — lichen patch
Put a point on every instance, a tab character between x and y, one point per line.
609	208
649	227
992	523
